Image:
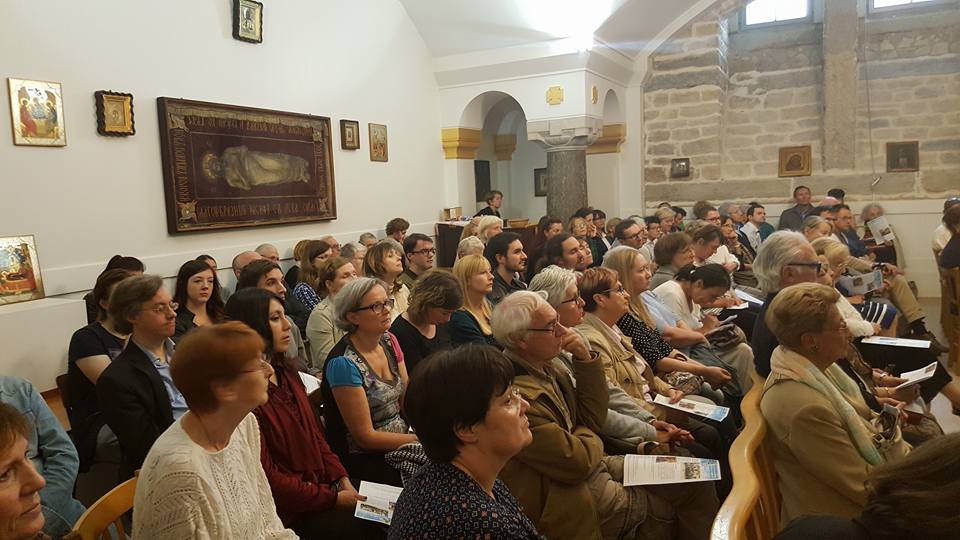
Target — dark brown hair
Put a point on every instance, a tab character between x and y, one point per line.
105	283
597	280
128	298
668	246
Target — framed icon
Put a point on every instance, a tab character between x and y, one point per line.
114	113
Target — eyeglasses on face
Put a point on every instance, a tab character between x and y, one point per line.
378	307
632	236
618	290
554	327
163	308
431	251
515	398
576	300
815	265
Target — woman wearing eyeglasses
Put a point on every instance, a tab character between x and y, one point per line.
202	477
384	261
313	493
364	382
825	438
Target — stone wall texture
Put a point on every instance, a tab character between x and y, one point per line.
729	100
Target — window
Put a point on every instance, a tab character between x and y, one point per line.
878	4
772	11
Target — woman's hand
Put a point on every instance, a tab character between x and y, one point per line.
710	321
668	433
674	395
347	497
716	376
908	394
877	328
855	300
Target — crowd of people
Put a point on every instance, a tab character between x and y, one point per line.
502	394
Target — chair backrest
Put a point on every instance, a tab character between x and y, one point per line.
752	510
95	523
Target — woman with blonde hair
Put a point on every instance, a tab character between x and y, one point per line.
471	323
470	229
384	261
314	254
578	227
838	254
488	227
824	437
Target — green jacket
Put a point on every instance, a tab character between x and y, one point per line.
549	477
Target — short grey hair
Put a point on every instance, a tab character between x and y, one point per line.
367	236
485	223
397	246
350	249
511	318
350	297
775	252
725	208
554	281
467	245
867	209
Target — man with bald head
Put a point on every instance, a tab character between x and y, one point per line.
242	259
269	252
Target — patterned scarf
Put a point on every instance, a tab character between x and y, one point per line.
836	386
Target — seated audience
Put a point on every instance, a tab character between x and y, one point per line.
310	487
242	259
505	254
203	478
92	348
667	219
577	226
733	210
21	508
418	253
837	255
950	256
322	333
292	277
611	227
597	247
547	228
629	233
883	251
470	245
209	260
384	261
563	480
692	287
846	232
494	200
638	325
197	292
264	274
471	323
471	421
488	227
422	329
367	240
117	262
654	231
396	229
52	453
825	439
137	394
750	236
792	218
314	254
704	243
827	209
679	220
600	224
364	382
671	253
814	227
470	228
354	252
941	235
914	497
586	254
743	275
269	252
562	250
333	243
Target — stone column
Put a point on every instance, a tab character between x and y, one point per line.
840	23
566	141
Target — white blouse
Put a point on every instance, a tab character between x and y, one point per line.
672	295
185	491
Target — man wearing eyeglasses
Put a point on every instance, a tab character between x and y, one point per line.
419	254
136	392
505	254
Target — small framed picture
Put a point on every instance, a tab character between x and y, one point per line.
540	182
349	134
36	111
114	113
903	156
680	168
248	21
795	161
19	270
378	142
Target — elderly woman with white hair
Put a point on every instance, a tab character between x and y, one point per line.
470	245
563	481
364	382
488	227
885	251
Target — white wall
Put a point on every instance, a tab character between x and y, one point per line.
603	183
362	60
527	157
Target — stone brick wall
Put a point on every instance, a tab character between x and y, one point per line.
730	100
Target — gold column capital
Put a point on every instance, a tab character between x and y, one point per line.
460	143
610	140
504	146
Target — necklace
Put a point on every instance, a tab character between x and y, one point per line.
207	434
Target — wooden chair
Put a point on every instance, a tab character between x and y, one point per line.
950	312
752	510
95	523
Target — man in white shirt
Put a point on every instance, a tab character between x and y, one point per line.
722	255
750	232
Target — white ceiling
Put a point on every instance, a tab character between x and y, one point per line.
455	27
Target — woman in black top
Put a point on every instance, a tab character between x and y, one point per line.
92	348
117	262
198	294
421	330
950	256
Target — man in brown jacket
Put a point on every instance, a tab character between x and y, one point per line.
562	480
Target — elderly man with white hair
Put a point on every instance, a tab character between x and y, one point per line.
563	480
785	258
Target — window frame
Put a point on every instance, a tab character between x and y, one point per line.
931	4
742	19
